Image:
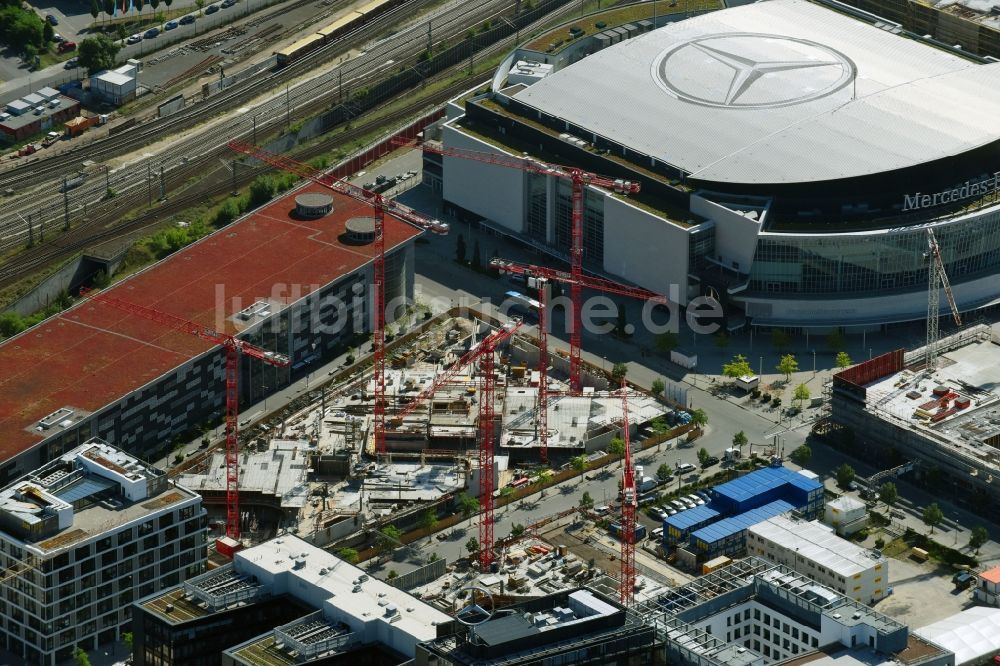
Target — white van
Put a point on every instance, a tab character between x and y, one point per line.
602	509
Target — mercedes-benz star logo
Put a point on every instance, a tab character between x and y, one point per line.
751	71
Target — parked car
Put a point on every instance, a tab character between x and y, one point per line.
71	63
211	9
226	4
51	19
56	37
694	498
66	47
134	39
709	461
187	19
170	25
152	32
702	494
684	468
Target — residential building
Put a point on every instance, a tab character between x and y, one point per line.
813	550
80	539
282	602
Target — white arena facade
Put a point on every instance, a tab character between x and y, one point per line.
791	159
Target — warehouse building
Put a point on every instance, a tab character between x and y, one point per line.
36	113
282	602
291	283
799	196
83	537
813	550
947	422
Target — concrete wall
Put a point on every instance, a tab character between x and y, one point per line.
735	235
496	193
645	249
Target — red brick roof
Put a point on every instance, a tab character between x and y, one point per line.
92	355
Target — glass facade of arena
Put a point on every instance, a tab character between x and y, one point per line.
869	263
593	222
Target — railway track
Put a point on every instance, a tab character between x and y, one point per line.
99	225
312	94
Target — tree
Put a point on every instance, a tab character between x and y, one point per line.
95	9
128	638
108	7
472	545
622	321
579	463
434	557
23	30
48	33
836	341
200	4
98	53
429	519
391	575
261	190
477	256
932	515
738	367
801	455
740	440
666	342
787	365
801	394
168	3
586	501
779	339
80	657
618	372
721	340
843	360
845	474
978	537
664	472
659	425
703	456
468	505
658	387
348	555
516	530
389	537
616	446
699	417
460	249
888	493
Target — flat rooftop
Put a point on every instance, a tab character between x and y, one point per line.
93	355
818	543
762	90
969	373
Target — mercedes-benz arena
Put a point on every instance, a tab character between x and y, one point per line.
791	159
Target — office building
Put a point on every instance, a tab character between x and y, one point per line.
282	602
83	537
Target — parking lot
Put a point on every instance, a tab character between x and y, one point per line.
922	593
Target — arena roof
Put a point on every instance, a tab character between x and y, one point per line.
92	355
783	91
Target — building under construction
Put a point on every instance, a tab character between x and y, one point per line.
946	421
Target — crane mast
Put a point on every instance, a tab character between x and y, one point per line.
626	589
937	279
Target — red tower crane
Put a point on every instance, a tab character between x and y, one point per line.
579	179
545	274
234	348
381	205
630	499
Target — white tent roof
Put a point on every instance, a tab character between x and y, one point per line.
971	634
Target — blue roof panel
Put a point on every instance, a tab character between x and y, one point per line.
736	524
763	480
687	519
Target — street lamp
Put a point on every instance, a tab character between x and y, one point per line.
814	361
